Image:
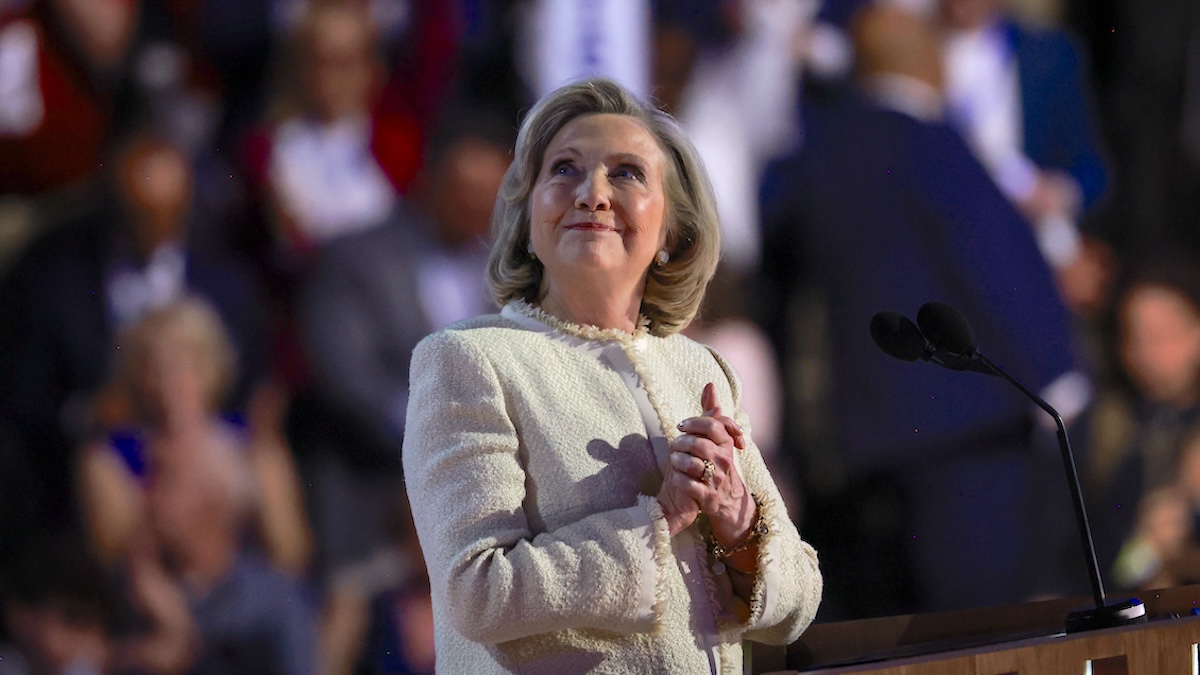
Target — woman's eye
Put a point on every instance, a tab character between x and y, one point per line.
561	169
628	172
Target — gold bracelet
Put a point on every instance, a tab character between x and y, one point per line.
758	530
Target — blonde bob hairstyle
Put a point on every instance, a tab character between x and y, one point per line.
674	290
188	325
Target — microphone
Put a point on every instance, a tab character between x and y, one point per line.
946	328
900	338
943	336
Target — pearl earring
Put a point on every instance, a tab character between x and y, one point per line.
663	256
529	248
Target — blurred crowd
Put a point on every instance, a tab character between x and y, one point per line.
224	225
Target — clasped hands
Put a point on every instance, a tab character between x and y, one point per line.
701	475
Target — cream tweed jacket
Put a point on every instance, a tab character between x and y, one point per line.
531	473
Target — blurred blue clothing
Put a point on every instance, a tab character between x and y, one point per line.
1061	127
385	653
129	444
255	621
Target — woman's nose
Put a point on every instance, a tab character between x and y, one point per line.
594	192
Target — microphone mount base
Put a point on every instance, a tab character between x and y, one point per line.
1110	615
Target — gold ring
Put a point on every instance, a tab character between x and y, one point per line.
709	469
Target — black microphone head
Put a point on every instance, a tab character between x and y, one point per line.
897	336
945	328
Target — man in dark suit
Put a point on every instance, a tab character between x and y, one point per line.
71	294
885	208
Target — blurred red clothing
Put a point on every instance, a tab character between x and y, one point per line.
57	118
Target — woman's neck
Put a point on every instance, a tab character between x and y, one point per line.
592	307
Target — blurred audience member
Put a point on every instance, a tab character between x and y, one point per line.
169	468
400	637
64	613
738	99
77	287
322	178
1162	544
174	88
367	82
312	174
63	62
371	298
58	608
164	430
1021	98
930	469
1136	430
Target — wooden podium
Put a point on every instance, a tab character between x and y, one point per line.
1026	639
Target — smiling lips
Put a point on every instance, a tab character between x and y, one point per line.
592	227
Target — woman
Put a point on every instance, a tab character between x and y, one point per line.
1138	430
161	436
171	491
583	502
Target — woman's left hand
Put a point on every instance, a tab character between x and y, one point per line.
705	453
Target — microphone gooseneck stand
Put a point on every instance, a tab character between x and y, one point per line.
945	338
1103	615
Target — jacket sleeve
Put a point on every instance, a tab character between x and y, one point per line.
787	588
466	482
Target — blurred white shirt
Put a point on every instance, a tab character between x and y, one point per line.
327	178
984	98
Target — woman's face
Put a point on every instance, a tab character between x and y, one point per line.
598	204
1161	344
174	383
341	71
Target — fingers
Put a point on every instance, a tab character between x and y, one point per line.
712	408
719	429
685	486
684	462
678	500
716	501
708	400
699	446
700	461
694	467
735	432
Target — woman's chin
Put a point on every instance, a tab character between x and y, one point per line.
593	258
